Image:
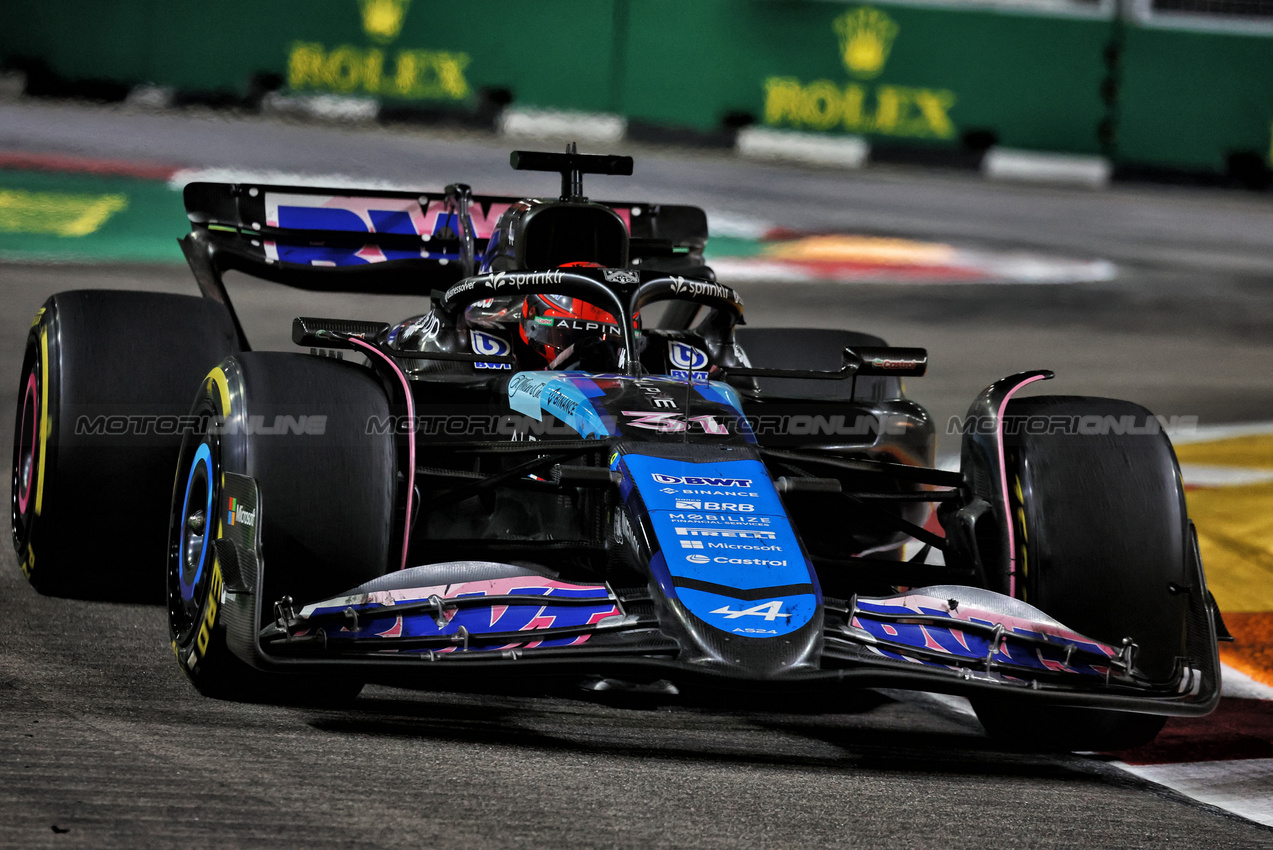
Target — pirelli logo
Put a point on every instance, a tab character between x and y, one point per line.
720	532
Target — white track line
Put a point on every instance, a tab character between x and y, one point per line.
1244	787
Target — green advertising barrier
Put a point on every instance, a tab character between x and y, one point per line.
896	72
552	53
899	73
1193	99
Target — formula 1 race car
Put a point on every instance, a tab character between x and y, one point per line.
581	464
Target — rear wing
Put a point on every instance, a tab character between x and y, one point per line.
380	241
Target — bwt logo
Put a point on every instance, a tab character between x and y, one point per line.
700	482
490	346
687	356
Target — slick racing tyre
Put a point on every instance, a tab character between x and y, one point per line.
298	426
104	389
1102	545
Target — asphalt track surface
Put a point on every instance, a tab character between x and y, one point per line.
103	744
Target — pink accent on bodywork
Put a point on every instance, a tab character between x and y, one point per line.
1003	482
483	223
360	206
916	602
486	587
406	389
929	643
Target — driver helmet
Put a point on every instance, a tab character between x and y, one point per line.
560	329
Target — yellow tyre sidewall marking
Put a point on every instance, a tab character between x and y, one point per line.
217	380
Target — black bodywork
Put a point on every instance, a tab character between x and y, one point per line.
550	488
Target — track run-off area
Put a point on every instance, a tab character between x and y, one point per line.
1163	295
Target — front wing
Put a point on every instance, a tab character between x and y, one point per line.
445	621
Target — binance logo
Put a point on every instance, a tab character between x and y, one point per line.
382	19
866	37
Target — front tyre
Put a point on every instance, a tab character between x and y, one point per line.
299	426
1102	544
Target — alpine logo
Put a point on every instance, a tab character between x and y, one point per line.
769	610
685	356
490	346
700	482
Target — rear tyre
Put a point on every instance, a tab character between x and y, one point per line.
105	381
1102	542
299	426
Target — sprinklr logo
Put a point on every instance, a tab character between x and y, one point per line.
238	515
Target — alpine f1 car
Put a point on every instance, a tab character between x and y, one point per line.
582	463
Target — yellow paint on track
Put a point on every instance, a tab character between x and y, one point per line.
1235	535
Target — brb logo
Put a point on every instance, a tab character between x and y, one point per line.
490	346
699	505
687	357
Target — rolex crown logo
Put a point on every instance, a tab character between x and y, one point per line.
382	19
866	37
